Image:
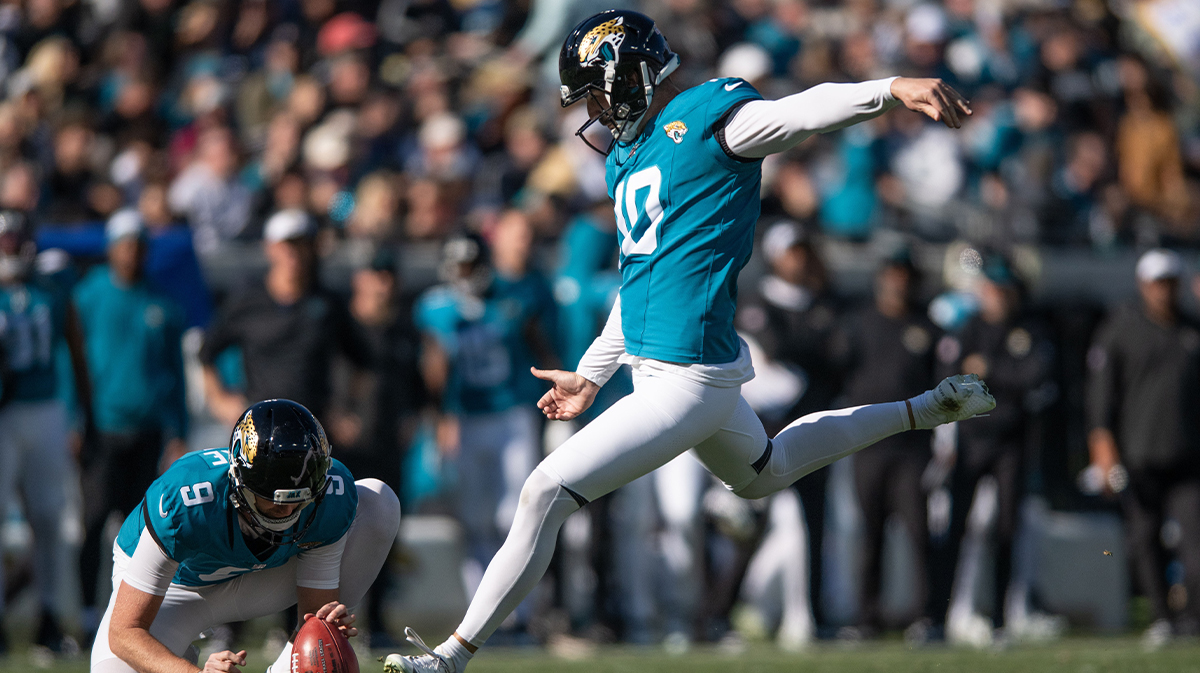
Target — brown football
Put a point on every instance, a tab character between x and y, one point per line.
321	648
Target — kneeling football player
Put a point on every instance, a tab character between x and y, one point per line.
230	535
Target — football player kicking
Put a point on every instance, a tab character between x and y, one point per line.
684	173
232	534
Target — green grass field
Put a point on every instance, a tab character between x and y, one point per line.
1075	655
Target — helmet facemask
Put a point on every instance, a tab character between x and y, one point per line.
623	93
275	531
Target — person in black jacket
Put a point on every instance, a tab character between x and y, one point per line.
792	314
888	351
1013	349
1143	391
375	412
287	326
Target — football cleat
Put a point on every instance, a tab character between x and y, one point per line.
430	662
956	398
971	630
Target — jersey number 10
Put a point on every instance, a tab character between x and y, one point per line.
629	214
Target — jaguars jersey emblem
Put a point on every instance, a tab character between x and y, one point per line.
675	131
610	34
245	439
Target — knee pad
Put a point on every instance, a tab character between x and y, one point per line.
378	507
539	489
541	492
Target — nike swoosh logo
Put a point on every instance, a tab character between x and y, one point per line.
161	512
731	87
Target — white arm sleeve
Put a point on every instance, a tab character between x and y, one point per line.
321	568
600	361
150	569
765	127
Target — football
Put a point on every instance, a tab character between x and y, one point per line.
321	648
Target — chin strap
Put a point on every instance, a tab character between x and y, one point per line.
632	128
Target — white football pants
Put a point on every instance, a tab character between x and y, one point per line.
497	451
34	463
187	612
665	416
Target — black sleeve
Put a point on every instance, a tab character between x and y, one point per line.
845	350
719	133
1103	363
225	330
352	341
1035	368
150	527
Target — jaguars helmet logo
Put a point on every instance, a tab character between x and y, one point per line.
245	440
675	131
602	43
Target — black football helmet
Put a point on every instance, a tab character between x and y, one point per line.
17	247
466	265
622	55
279	453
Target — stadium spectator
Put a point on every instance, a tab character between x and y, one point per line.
483	329
376	411
133	339
887	351
71	181
1014	350
288	328
1141	389
36	323
793	315
1150	163
208	192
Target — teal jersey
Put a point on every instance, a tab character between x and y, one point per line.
532	298
32	328
132	336
686	212
483	338
190	514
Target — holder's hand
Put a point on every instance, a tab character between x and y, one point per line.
336	614
224	662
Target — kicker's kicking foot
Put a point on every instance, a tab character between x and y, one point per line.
956	398
429	662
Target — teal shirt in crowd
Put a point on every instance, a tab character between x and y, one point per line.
586	285
132	338
686	212
32	329
530	296
485	340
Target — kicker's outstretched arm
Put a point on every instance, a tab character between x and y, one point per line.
763	127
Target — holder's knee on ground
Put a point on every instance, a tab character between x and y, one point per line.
378	509
376	525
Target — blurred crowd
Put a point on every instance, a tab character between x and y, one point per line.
146	145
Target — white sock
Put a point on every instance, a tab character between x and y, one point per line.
919	413
455	653
283	663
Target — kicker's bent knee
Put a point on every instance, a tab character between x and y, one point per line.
539	488
378	506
